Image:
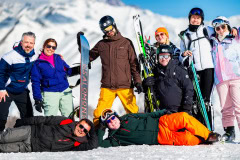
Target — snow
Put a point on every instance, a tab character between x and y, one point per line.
62	20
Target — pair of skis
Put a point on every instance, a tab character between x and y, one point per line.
151	102
197	89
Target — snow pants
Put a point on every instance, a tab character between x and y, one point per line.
16	139
107	97
23	103
55	101
170	127
229	95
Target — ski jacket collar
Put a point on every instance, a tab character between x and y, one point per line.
50	59
113	38
20	50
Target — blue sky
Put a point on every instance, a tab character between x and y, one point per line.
181	8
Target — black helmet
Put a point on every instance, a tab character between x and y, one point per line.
196	11
107	21
164	49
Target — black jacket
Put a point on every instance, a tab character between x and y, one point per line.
55	133
173	87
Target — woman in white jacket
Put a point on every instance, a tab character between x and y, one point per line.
226	58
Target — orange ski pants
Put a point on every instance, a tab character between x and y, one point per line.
170	124
107	97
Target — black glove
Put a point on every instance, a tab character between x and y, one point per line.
75	71
139	87
149	81
19	123
38	105
78	40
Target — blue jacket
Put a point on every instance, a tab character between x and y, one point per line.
15	67
45	77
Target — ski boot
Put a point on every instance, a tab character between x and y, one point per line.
229	136
213	137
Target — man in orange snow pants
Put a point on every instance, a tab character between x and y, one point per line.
153	128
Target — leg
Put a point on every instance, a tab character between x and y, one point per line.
24	105
226	104
106	99
235	92
16	140
4	111
206	83
128	100
51	102
170	124
66	103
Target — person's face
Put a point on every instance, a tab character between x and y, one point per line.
110	31
161	38
50	48
164	59
82	129
220	30
113	122
195	20
28	43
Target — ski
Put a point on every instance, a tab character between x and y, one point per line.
151	102
197	89
83	112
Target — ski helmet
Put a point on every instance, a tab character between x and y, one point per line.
196	11
107	21
221	20
107	113
164	49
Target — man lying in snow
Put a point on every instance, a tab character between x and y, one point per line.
153	128
49	134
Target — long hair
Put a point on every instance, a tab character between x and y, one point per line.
47	41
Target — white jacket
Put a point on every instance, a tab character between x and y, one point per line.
201	49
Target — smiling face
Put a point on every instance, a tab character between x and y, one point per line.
164	59
161	37
195	20
113	122
28	43
82	129
49	49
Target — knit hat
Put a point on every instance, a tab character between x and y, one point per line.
161	29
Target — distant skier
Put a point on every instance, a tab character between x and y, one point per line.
226	58
119	66
171	82
152	129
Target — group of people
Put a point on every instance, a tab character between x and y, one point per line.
215	52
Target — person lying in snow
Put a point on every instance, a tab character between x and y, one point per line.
49	134
152	129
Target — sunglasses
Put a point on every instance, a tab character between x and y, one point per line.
108	29
110	119
53	47
196	11
84	129
160	34
164	56
219	27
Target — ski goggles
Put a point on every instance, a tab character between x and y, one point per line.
107	113
110	119
53	47
84	129
219	27
219	22
196	11
108	29
163	56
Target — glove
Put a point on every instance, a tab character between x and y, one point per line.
38	105
78	40
139	87
75	71
149	81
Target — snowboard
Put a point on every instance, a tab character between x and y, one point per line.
83	111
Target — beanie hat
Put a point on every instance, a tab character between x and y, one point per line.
161	29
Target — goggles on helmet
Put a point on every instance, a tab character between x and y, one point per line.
108	29
196	11
219	22
106	114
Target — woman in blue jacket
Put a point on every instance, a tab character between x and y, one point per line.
49	82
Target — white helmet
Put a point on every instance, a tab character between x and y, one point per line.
220	20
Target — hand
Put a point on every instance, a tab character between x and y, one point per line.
75	70
39	105
79	41
139	87
149	81
234	31
3	95
147	40
187	53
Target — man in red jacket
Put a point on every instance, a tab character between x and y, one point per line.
49	134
